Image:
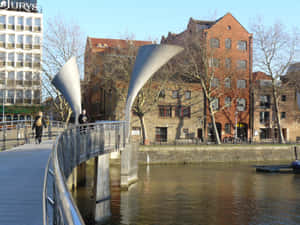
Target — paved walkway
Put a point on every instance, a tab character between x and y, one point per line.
21	184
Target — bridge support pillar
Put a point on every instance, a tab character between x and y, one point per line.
129	165
102	209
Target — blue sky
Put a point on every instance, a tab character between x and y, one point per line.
149	20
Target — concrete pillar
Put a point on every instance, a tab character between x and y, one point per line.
129	165
102	210
81	174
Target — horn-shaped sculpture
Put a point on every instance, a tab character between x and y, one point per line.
149	59
67	81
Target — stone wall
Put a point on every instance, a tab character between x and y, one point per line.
198	154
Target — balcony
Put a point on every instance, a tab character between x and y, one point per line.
29	28
37	29
27	46
10	45
20	27
11	27
28	83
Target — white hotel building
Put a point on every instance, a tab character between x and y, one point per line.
21	34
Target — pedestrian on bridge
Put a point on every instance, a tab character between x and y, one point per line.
38	124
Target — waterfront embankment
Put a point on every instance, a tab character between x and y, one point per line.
165	154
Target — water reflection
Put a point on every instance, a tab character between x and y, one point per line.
206	194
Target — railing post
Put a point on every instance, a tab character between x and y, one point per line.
4	136
50	130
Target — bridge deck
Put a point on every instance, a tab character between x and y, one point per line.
21	184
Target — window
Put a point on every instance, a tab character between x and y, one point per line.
11	38
37	94
37	58
215	104
242	64
28	76
20	21
37	22
2	20
2	57
11	57
2	38
227	101
228	63
242	45
264	117
2	75
20	39
214	62
20	75
36	76
215	82
136	131
20	57
241	104
264	101
29	22
165	111
214	43
228	43
175	94
265	133
283	98
11	20
10	93
227	128
28	94
161	134
228	82
28	40
283	115
183	111
241	83
187	94
37	40
162	94
11	75
19	94
28	58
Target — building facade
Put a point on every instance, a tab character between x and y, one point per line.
228	48
264	119
21	34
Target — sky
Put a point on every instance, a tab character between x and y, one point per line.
149	20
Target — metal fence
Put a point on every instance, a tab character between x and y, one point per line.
18	132
74	146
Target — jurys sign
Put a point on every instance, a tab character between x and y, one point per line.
18	5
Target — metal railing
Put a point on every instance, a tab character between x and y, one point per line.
72	147
18	132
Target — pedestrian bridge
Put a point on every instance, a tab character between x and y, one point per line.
33	177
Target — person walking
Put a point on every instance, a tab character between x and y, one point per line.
82	119
38	124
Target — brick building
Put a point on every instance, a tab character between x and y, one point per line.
264	119
229	48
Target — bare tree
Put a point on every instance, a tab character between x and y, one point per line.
114	71
274	51
62	40
202	63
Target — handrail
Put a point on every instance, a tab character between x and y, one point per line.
75	145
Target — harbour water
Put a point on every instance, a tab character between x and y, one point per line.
208	194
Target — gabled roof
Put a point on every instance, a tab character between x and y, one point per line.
100	44
260	76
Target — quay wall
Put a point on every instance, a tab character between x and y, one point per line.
161	154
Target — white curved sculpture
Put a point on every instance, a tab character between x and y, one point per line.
67	81
149	59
